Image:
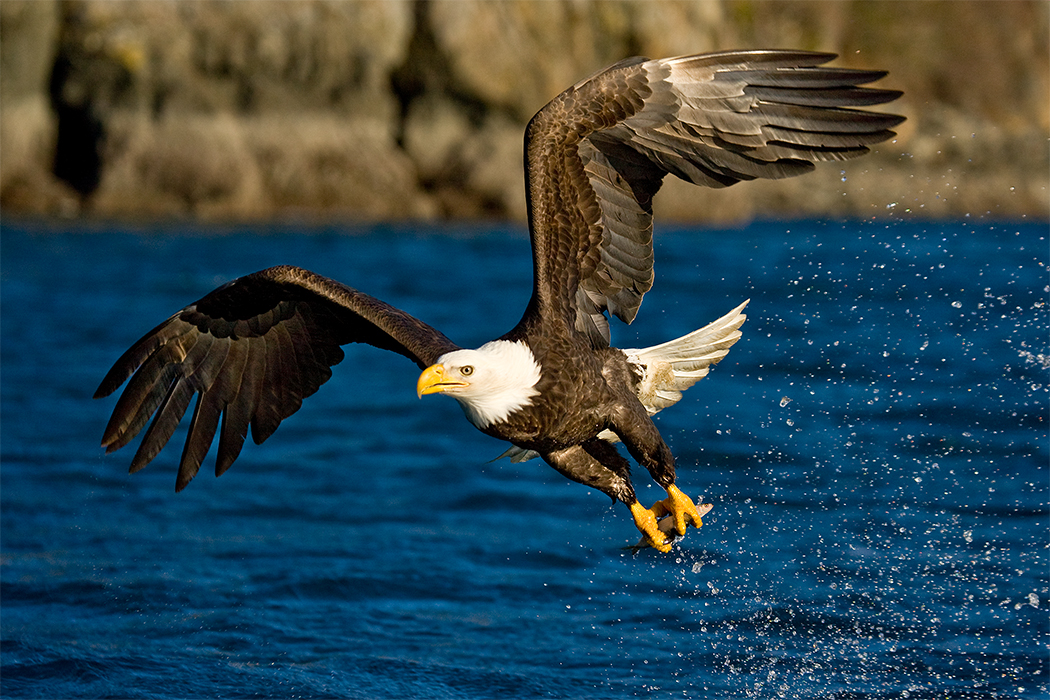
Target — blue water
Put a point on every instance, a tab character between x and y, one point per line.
876	448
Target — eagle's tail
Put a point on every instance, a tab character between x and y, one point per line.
670	368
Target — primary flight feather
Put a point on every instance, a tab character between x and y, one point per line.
553	387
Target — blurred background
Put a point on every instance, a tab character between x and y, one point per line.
414	109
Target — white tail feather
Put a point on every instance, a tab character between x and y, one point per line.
670	368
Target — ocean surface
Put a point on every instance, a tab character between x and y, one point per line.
876	447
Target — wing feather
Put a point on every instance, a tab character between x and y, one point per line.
241	403
167	417
146	392
250	351
597	154
206	415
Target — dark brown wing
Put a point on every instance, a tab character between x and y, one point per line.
597	154
251	351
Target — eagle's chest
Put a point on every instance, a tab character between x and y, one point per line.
572	406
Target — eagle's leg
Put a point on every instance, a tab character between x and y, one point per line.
645	519
597	464
645	444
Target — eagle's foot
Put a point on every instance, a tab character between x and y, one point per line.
645	521
681	508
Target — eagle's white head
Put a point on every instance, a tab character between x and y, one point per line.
490	383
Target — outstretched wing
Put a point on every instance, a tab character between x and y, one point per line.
251	351
597	154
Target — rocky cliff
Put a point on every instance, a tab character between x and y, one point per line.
416	108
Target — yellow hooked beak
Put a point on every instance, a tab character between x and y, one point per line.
433	381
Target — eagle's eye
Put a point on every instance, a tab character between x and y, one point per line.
466	371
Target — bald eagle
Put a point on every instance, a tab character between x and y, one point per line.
553	386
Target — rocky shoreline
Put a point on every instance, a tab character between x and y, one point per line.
415	109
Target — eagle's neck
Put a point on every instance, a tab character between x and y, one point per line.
509	387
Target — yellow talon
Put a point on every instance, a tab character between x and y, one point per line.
660	533
645	521
679	506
